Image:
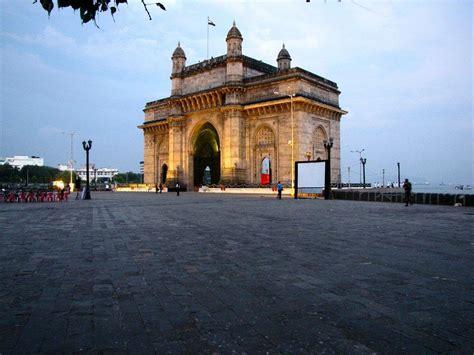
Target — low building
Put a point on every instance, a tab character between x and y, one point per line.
19	161
99	173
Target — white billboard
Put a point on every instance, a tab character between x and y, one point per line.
311	174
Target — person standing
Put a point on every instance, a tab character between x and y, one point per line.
156	188
279	189
407	188
78	187
177	188
161	187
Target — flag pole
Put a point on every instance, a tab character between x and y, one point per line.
207	53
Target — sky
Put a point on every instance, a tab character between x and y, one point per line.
404	69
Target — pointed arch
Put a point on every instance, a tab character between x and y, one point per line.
205	151
265	153
319	136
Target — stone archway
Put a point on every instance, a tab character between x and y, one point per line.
265	153
206	156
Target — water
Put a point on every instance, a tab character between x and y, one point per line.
440	189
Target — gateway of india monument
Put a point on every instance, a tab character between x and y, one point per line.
235	120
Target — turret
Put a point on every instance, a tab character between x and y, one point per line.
284	59
235	65
179	63
234	42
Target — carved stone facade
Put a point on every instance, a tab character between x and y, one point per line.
228	116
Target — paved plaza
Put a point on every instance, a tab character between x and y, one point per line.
220	273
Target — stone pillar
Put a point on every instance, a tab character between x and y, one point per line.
232	145
176	163
336	149
149	158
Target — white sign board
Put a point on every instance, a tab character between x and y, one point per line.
311	174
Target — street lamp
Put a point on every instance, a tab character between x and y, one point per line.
292	142
363	161
327	186
71	162
398	166
360	165
87	146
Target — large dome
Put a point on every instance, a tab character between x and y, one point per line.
178	52
234	32
283	54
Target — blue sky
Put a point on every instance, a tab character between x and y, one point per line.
404	69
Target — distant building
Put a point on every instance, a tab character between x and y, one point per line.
19	161
107	173
63	167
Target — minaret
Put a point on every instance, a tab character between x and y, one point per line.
284	59
179	63
235	67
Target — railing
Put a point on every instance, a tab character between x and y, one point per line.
399	197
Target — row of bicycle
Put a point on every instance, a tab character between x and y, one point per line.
34	196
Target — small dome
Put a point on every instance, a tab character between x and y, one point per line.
283	54
178	52
234	32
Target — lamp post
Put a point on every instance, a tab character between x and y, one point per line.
349	175
363	161
327	186
398	165
71	162
360	165
87	146
292	142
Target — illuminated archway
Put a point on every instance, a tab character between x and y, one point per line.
207	160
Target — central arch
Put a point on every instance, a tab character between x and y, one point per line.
207	156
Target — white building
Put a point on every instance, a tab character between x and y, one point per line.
107	173
20	161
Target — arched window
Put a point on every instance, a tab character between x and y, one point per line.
319	136
206	180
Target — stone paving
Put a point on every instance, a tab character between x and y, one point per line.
216	273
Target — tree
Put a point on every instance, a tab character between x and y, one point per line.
9	173
128	177
88	9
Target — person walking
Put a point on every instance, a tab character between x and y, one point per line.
407	188
156	189
279	189
160	187
177	188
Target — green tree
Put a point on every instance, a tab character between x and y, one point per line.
128	177
43	174
9	174
88	9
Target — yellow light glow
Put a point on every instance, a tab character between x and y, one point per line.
59	184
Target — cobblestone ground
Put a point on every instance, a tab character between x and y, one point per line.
144	273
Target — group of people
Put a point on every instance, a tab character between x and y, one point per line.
159	188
